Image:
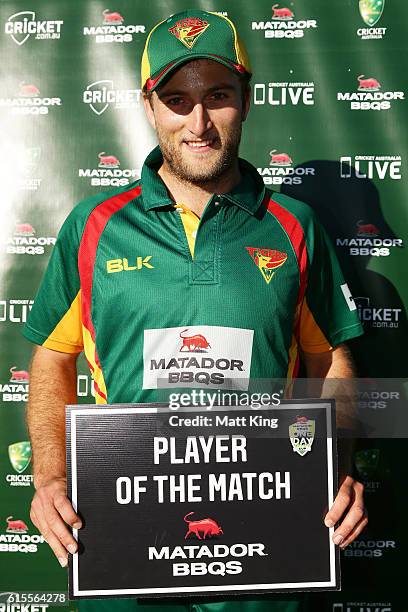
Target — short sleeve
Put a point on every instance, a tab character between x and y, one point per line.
328	313
55	318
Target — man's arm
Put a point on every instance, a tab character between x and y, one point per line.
331	373
52	385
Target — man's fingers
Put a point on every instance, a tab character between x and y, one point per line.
340	504
64	507
355	532
58	527
353	518
56	546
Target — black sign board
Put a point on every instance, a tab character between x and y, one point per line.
196	501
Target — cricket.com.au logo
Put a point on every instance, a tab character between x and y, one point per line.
20	458
15	311
368	241
371	316
281	170
370	13
24	241
102	94
29	101
24	24
369	95
371	167
284	94
284	24
108	173
113	29
17	539
16	388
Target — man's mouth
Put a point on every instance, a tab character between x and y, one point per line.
198	145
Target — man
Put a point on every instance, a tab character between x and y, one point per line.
198	248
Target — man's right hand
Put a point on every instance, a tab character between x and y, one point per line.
51	512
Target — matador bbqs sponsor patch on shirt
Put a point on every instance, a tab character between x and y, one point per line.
197	356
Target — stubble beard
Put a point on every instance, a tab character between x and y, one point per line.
201	173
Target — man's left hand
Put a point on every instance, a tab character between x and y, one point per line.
348	507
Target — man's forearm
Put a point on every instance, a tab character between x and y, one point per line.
52	385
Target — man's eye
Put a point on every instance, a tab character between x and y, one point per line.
219	95
174	101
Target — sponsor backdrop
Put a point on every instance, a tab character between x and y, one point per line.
327	126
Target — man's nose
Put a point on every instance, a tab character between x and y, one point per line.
199	120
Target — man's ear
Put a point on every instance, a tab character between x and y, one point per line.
148	106
246	103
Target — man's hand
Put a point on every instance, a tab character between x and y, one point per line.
51	512
349	508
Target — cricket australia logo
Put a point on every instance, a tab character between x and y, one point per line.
188	30
371	11
267	261
301	435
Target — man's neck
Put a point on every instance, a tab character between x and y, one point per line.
197	196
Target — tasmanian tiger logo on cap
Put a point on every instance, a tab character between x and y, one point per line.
188	30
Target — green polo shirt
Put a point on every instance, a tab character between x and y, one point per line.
157	298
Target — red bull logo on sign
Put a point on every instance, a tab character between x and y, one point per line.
17	526
282	13
28	91
280	159
112	18
194	344
205	527
24	229
108	161
367	229
19	375
368	84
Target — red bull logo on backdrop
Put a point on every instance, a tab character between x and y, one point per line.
369	95
284	94
29	101
202	356
113	29
282	171
25	242
283	24
22	25
16	389
102	94
379	167
108	172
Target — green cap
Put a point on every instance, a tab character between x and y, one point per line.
188	35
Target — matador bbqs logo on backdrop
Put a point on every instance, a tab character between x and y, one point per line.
24	24
282	170
25	241
27	99
107	172
99	95
113	29
283	23
17	539
369	95
368	241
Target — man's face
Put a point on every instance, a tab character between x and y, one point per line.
197	115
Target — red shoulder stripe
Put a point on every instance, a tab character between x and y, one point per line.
94	227
297	238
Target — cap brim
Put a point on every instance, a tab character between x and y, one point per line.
152	83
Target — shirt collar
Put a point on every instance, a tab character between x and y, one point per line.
248	194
